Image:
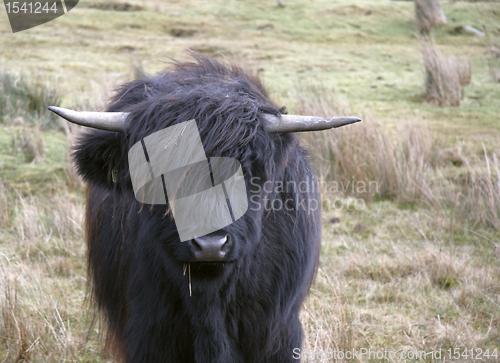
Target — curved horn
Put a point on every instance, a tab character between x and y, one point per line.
109	121
117	121
293	123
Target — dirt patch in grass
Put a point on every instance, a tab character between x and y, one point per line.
115	6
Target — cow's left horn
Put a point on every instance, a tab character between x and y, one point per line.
117	121
109	121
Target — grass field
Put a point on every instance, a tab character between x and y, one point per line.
413	264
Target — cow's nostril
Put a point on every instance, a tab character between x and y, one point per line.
226	247
211	248
195	247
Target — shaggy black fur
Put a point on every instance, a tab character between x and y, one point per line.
241	311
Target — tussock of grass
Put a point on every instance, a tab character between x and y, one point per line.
37	223
494	62
464	70
4	206
326	317
480	197
75	181
29	142
26	98
444	76
471	197
365	153
429	15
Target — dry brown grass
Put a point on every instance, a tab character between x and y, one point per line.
450	279
37	223
32	324
27	97
432	266
470	195
409	281
15	332
100	92
480	193
75	181
37	321
326	316
445	77
494	62
464	70
365	154
29	142
4	206
418	291
429	15
366	161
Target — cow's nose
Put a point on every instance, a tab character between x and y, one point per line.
211	248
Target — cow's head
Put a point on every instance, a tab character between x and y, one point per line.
235	119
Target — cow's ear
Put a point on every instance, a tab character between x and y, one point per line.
98	157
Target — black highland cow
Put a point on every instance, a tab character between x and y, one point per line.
161	301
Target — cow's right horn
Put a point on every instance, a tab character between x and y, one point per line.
294	123
109	121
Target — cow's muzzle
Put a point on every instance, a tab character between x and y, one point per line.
212	247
